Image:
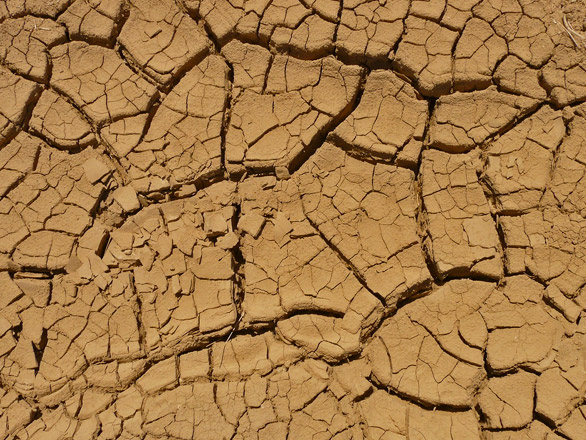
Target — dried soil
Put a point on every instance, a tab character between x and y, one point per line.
293	219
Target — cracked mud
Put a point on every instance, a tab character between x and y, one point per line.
293	219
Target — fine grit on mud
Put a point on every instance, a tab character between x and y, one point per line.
293	219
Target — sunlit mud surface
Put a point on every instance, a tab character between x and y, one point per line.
293	219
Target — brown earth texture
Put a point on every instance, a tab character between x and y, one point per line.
293	219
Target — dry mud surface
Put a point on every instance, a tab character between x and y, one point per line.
293	219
